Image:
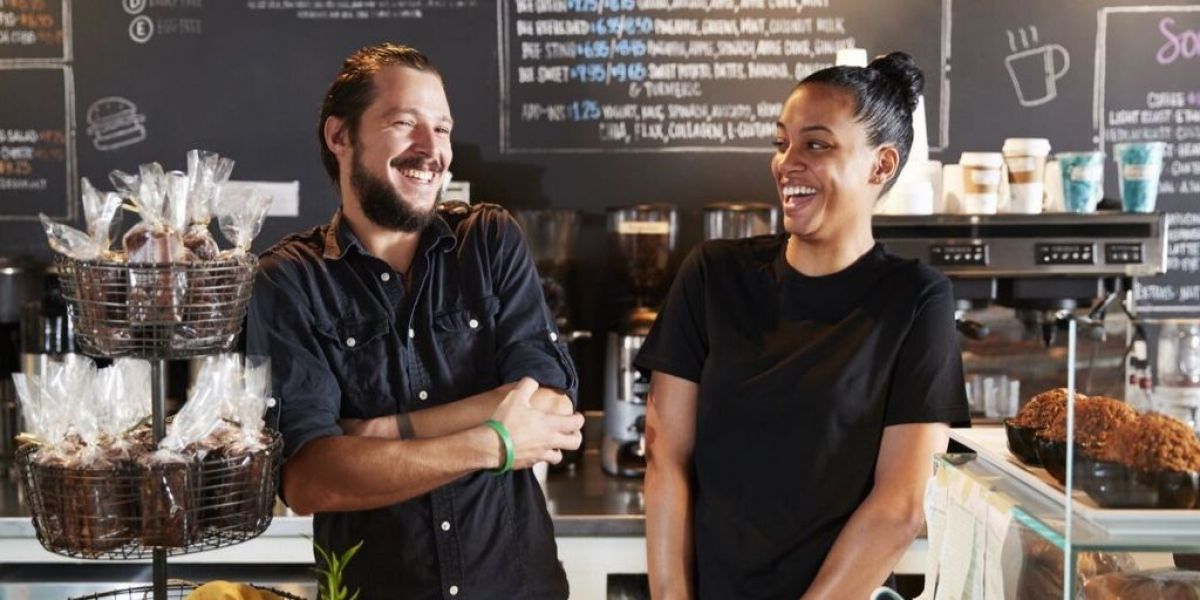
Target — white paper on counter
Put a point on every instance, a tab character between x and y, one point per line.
960	577
936	494
999	517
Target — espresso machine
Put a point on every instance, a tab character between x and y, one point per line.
735	220
1019	280
641	239
19	283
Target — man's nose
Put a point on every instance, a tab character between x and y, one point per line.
423	140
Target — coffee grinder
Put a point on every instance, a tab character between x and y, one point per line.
551	235
641	239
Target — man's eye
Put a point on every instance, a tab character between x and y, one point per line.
815	145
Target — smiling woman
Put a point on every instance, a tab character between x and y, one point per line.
814	353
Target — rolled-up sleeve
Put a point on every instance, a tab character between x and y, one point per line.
528	343
280	326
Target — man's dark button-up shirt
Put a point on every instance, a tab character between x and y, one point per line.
348	338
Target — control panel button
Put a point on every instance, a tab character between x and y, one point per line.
1123	253
1064	254
975	255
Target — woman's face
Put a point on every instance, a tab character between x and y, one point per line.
826	172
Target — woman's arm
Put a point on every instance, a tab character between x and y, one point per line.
885	524
670	435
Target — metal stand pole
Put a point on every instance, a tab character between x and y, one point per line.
158	409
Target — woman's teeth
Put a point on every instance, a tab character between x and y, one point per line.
424	176
798	190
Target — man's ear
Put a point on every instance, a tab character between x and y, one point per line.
887	165
337	135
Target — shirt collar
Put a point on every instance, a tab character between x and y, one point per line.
339	238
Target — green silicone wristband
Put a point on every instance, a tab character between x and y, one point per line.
509	453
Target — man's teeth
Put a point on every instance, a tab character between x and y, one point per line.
425	176
798	190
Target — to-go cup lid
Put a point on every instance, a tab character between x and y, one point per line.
1027	146
990	160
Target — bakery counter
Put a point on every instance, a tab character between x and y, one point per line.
599	525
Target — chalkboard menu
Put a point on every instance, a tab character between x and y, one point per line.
580	104
36	173
34	29
623	75
1151	92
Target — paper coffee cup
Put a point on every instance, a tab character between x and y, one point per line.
981	173
1026	198
1082	180
979	204
1026	162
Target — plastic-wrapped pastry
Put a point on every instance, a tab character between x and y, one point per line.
206	172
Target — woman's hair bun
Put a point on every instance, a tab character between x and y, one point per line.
901	70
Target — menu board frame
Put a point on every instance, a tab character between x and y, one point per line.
939	140
1177	306
65	208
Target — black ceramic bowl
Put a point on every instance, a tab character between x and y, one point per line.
1113	485
1020	443
1053	456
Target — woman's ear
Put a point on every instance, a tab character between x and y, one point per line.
887	164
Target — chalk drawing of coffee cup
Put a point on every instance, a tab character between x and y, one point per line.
1036	71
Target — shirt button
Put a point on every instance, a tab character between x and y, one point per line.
553	336
411	334
473	324
351	342
454	590
424	395
445	525
386	276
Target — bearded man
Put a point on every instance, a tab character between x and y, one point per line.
418	371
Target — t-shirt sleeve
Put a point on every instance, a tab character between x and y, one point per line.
927	381
678	341
280	326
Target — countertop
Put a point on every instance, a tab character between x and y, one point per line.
583	501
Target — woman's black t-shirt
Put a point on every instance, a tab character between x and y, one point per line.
798	376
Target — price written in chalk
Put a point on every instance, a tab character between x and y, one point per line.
623	25
598	5
624	47
605	73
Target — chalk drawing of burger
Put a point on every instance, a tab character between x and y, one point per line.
114	122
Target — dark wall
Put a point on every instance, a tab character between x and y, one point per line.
245	78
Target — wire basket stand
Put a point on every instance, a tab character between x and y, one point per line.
175	590
159	312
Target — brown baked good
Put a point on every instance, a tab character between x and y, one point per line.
1042	408
1041	567
1161	584
1096	417
168	503
1155	442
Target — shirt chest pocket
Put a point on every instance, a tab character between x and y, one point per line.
358	351
466	336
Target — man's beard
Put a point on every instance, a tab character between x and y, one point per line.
382	204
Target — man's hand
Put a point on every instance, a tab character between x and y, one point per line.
538	435
552	402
